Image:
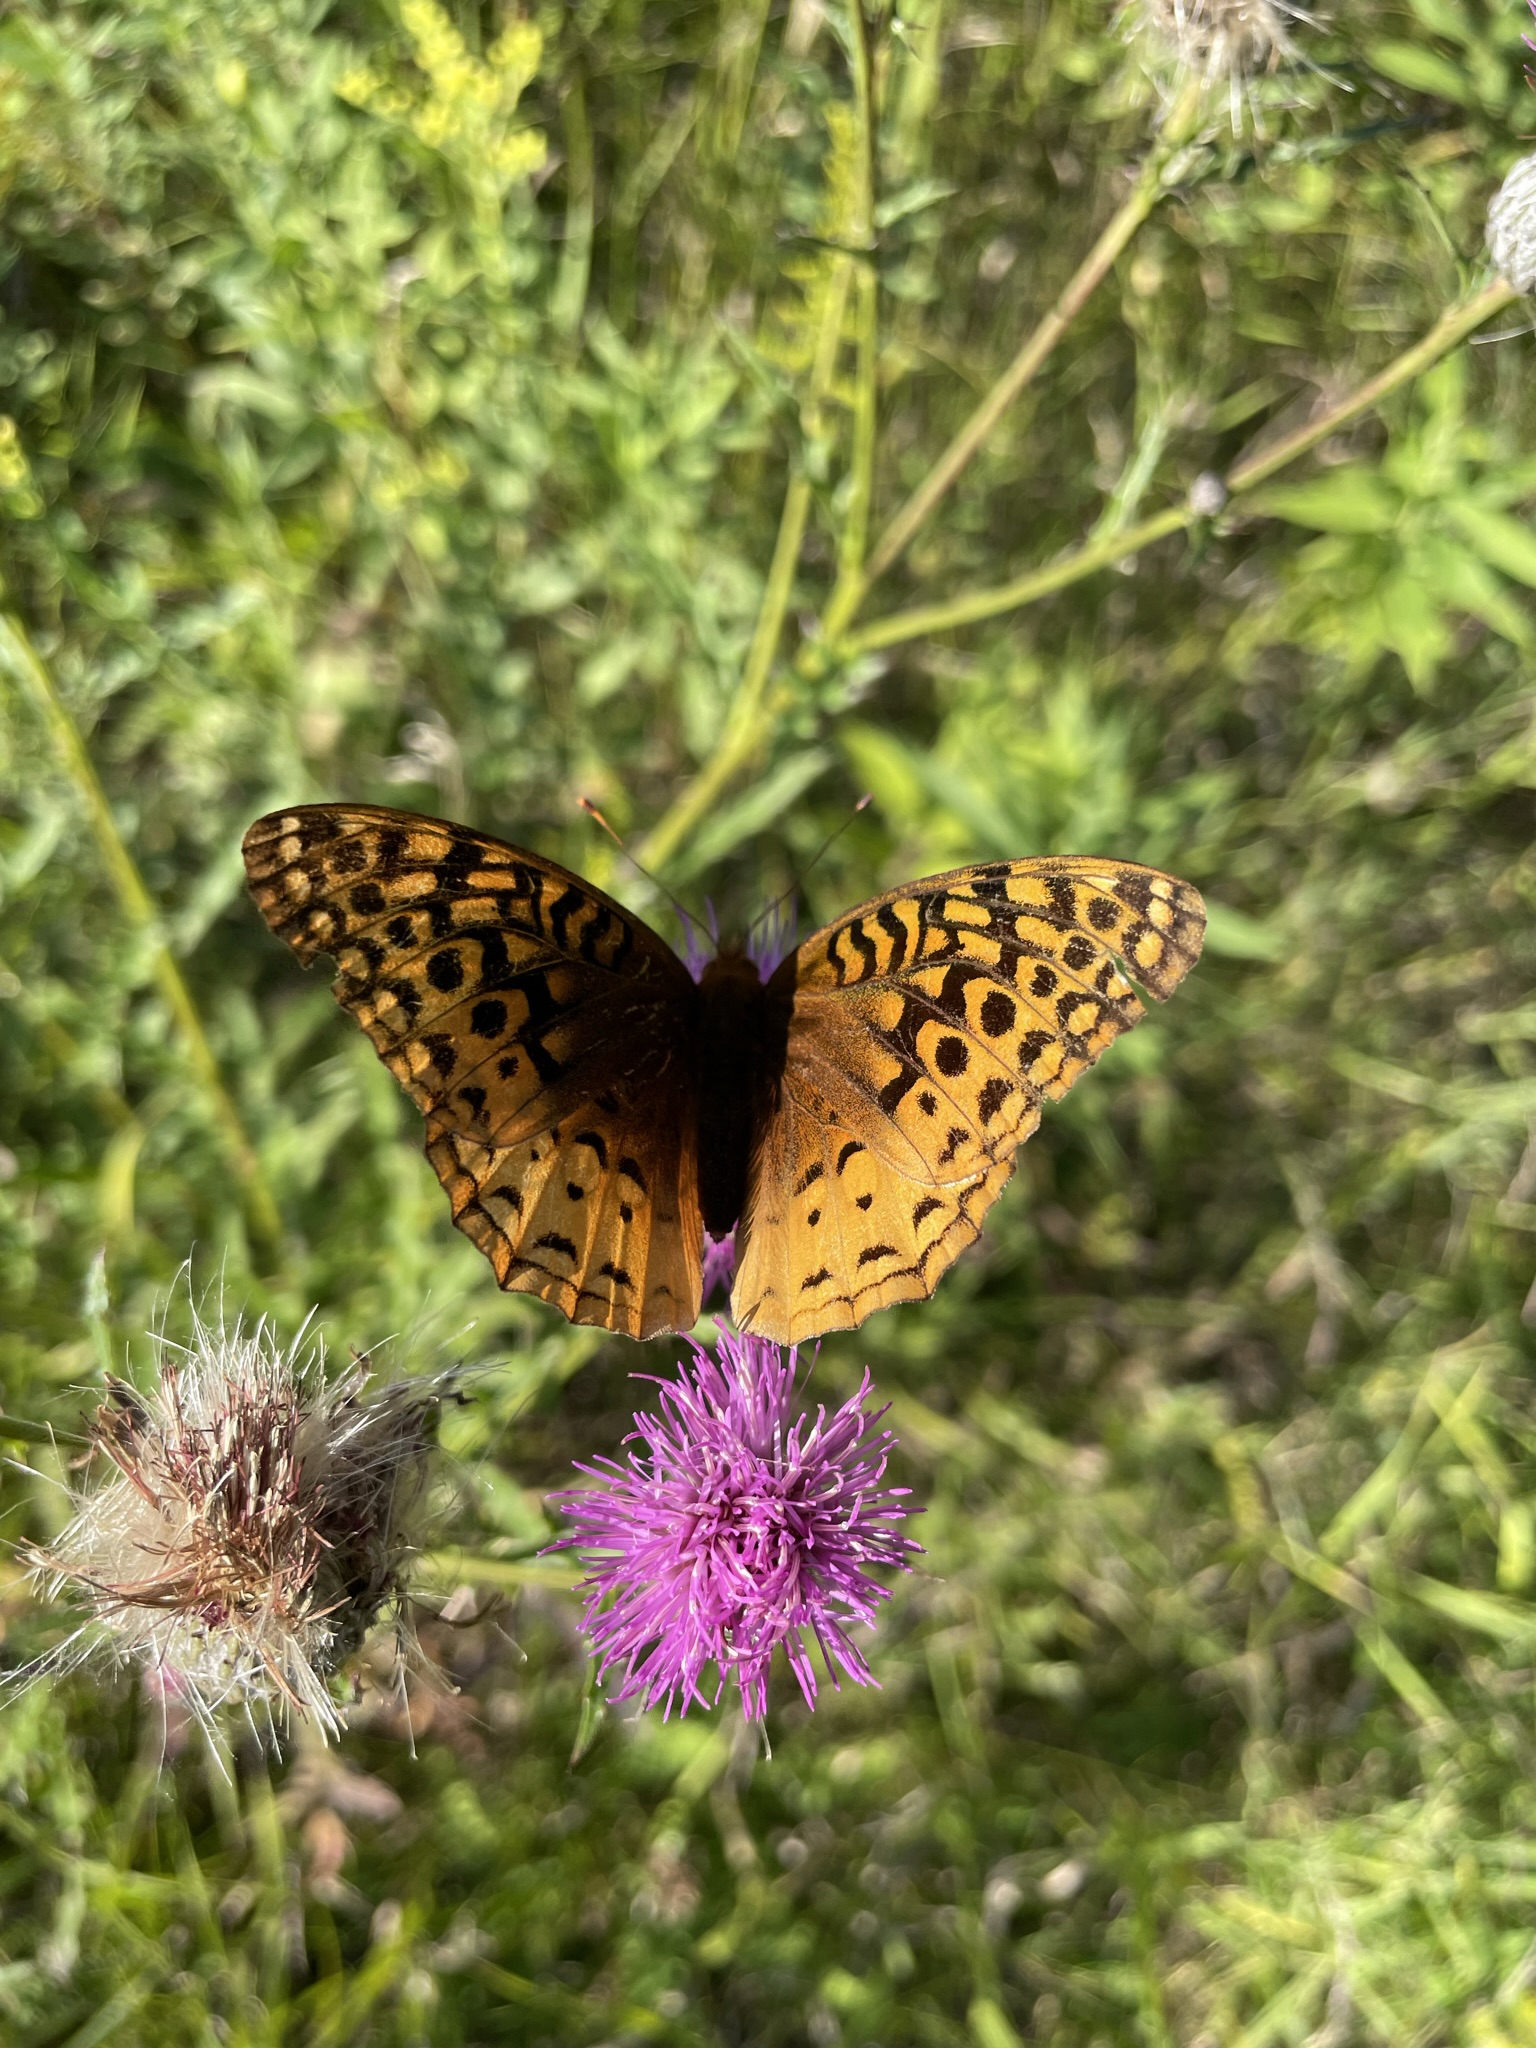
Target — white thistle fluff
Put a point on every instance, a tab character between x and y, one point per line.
1512	226
253	1528
1216	41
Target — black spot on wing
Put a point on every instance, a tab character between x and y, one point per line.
445	970
438	1047
994	1094
951	1057
997	1013
406	995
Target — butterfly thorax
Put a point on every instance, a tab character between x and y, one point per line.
742	1043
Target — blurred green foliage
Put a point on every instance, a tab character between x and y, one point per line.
397	406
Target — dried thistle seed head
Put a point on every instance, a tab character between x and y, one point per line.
1512	226
254	1525
1217	42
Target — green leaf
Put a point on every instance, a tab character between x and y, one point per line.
1349	500
1444	19
1237	937
755	811
1462	582
1421	70
1507	544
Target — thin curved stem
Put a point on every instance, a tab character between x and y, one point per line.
1150	186
31	673
750	715
921	620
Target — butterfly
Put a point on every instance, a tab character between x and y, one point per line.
592	1110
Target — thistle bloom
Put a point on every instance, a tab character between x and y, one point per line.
253	1528
1512	226
733	1530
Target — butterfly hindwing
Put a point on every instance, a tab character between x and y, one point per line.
539	1028
926	1027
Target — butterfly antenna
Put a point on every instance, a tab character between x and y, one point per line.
831	839
661	888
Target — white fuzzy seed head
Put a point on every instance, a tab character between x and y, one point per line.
1512	226
254	1525
1219	42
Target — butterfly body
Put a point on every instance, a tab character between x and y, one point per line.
742	1044
592	1110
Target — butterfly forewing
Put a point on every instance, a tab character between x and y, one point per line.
543	1031
926	1027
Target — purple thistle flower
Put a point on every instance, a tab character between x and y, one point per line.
735	1530
770	938
719	1263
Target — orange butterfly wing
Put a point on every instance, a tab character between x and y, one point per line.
540	1028
927	1025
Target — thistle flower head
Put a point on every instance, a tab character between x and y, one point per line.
1512	226
253	1525
733	1530
1215	41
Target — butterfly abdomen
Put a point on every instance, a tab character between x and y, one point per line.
742	1044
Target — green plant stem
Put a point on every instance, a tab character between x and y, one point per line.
21	659
923	620
1149	188
1452	327
16	1429
750	715
570	294
508	1574
854	538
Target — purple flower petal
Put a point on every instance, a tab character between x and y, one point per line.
733	1529
719	1263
